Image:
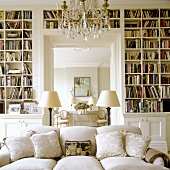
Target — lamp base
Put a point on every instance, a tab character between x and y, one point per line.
108	115
50	112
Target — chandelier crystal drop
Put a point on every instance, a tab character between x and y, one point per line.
83	18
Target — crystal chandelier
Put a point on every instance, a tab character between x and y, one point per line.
83	18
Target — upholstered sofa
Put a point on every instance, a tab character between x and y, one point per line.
115	147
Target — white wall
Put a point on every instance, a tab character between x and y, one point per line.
64	82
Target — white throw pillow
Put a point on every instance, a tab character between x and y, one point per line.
110	144
20	146
136	145
46	145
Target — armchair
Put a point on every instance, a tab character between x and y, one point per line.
101	118
63	118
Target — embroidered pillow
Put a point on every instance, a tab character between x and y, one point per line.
46	145
110	144
75	148
136	145
20	146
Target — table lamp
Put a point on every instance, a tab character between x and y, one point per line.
108	99
92	101
50	99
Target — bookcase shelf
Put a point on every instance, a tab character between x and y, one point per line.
147	60
15	57
51	22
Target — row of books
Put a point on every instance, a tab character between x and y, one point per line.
27	81
150	44
150	33
52	14
165	91
150	79
14	25
165	55
165	68
151	92
132	14
13	81
13	45
132	68
133	79
2	81
15	93
2	93
165	13
13	15
132	56
150	67
150	13
164	23
11	56
27	45
165	43
132	33
147	106
165	32
27	14
150	55
134	92
165	80
28	93
1	45
150	23
136	43
114	23
50	24
114	13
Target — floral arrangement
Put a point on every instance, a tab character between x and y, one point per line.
80	106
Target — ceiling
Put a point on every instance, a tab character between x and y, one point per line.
81	57
20	2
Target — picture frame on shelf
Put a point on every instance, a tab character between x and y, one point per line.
14	109
27	107
35	109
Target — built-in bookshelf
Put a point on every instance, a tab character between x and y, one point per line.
15	57
50	19
147	60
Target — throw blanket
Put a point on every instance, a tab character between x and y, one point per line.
152	154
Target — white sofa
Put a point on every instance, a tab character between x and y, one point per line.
81	133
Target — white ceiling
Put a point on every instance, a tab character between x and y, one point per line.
81	57
20	2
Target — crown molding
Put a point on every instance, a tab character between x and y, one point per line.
67	65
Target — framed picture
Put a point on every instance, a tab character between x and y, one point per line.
27	107
34	109
14	108
82	86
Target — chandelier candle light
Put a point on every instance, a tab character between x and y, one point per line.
83	17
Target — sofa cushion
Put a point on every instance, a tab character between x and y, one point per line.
78	163
31	164
128	163
122	128
75	148
20	146
78	133
110	144
136	145
46	145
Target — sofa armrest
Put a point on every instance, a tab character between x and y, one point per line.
152	155
4	156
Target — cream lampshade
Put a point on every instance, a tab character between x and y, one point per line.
72	101
92	101
108	99
50	99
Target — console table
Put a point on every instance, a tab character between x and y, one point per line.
85	119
